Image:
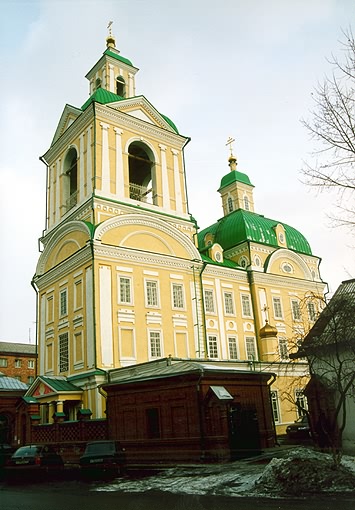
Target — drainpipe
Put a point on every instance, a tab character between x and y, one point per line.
47	179
36	324
256	318
270	383
204	265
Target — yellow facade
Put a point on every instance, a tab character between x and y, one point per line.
124	279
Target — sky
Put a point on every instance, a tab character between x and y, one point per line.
238	68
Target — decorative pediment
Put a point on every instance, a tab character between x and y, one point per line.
69	115
141	108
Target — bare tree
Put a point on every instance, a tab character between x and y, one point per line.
330	350
332	126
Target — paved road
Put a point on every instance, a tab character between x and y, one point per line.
70	495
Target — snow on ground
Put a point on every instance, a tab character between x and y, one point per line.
295	472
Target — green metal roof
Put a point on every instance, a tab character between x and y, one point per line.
102	96
234	176
225	263
240	226
59	384
170	122
118	57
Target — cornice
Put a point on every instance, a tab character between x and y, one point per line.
125	120
141	258
259	278
64	268
230	273
75	214
73	131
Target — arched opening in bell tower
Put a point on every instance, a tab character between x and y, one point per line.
70	179
142	185
120	86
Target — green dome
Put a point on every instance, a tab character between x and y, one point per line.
240	226
234	176
102	96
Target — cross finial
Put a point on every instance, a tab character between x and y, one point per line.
229	142
110	23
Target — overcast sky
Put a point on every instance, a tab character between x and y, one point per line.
240	68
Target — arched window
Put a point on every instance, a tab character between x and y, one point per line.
141	173
71	179
230	204
120	86
246	203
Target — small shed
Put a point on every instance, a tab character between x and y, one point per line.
11	391
176	410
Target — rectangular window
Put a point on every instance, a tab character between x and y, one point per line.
209	301
63	352
3	362
153	422
31	363
155	344
277	307
301	403
151	288
228	303
283	348
246	305
296	310
125	290
18	363
63	303
233	347
178	295
78	294
312	315
50	309
250	348
212	346
275	406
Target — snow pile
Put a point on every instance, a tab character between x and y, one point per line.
304	471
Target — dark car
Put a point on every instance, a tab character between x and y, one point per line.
103	457
33	459
300	429
6	451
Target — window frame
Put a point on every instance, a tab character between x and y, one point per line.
277	307
296	310
227	304
31	364
63	347
63	303
233	339
283	348
156	348
121	287
213	347
311	311
245	298
275	406
210	300
250	340
174	287
4	363
156	303
18	363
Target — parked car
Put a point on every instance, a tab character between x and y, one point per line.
102	457
6	450
35	459
300	429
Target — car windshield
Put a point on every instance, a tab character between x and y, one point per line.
100	448
26	451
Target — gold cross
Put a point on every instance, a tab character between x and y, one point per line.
229	142
110	23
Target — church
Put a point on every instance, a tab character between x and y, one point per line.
126	276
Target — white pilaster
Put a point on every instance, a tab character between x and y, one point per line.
106	316
42	333
89	183
131	87
81	168
177	182
57	191
111	78
119	164
164	178
105	160
89	317
220	312
51	205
